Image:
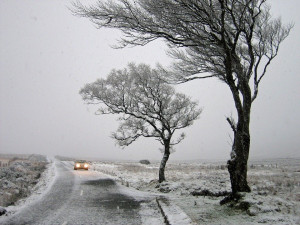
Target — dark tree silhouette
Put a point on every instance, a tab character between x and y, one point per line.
232	40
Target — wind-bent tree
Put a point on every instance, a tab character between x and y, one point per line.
232	40
148	107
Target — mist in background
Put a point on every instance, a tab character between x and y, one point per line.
47	54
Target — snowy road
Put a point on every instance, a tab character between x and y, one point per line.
87	197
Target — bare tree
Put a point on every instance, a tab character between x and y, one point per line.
232	40
148	107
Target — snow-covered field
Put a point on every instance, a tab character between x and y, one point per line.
197	189
194	188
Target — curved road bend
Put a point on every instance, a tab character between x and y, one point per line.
81	197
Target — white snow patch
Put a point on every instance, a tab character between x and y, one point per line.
150	215
174	214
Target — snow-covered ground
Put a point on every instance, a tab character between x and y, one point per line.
25	181
197	189
194	190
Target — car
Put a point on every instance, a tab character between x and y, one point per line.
81	164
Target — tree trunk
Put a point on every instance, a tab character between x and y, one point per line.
237	165
164	162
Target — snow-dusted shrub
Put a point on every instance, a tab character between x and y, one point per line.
17	180
144	161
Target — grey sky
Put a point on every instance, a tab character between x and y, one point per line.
47	55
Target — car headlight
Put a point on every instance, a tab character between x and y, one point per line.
86	165
77	165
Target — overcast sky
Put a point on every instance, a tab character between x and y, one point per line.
47	55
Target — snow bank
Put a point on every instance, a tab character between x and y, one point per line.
17	180
24	181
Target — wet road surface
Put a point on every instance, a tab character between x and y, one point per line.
81	197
